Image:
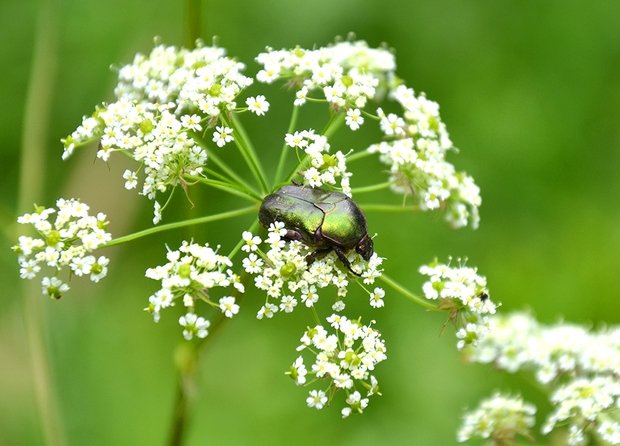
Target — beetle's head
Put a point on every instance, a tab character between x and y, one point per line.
365	247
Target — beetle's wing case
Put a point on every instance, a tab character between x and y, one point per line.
291	206
344	223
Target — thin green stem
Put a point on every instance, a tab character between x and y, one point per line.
227	187
221	164
408	294
285	149
373	207
244	144
358	155
220	176
333	124
36	123
373	188
192	22
180	224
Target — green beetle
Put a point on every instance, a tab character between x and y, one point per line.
323	220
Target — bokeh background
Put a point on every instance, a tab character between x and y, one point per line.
530	91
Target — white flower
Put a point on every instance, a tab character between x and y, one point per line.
131	179
251	242
228	306
298	371
354	118
376	298
316	399
53	287
191	122
194	326
222	135
267	310
257	105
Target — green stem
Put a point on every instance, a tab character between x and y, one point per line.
285	149
227	187
358	155
374	187
372	207
218	175
243	143
180	224
333	124
192	22
36	123
221	164
186	359
408	294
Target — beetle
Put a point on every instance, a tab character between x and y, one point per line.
321	219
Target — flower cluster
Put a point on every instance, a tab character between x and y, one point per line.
286	276
345	359
190	274
347	74
463	293
582	366
166	102
63	241
415	150
517	341
324	167
587	404
499	418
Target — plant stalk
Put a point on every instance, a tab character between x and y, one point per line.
408	294
31	187
180	224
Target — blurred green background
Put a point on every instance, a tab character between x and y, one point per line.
530	92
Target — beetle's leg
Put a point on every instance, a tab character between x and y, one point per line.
292	234
318	254
345	261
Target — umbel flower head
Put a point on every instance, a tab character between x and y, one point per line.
415	149
284	274
349	76
66	235
581	367
188	278
500	418
464	295
343	360
166	103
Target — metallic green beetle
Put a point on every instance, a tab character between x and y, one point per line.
323	220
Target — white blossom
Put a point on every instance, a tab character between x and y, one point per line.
66	235
191	274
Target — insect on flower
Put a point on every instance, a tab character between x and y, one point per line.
321	219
